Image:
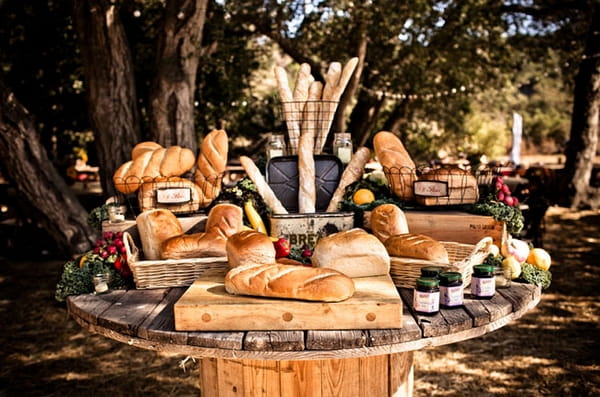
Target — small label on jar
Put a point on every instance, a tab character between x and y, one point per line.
484	287
426	302
451	296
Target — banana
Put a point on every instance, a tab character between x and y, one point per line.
254	217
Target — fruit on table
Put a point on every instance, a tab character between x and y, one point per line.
254	217
511	263
539	258
282	247
517	248
363	196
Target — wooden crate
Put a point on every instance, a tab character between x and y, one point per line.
457	226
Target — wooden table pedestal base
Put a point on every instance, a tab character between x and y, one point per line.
384	375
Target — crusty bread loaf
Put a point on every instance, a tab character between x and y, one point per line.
211	164
353	252
228	218
154	227
249	247
148	194
195	245
262	187
397	164
388	220
148	163
417	246
290	282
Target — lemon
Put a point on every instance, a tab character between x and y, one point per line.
539	258
363	196
512	264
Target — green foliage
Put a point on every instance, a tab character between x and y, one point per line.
535	275
97	216
76	280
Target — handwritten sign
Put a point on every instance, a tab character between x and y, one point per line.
174	195
430	188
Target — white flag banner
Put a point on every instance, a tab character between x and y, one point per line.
517	133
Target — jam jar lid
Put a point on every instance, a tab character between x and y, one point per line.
431	271
450	276
428	282
481	269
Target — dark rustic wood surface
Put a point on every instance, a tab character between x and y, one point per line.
145	318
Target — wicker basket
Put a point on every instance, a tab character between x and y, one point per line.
462	257
149	274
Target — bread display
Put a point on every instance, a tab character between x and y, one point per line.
455	186
352	173
211	164
388	220
307	191
150	160
290	282
195	245
155	226
354	253
186	195
228	218
249	247
417	246
397	164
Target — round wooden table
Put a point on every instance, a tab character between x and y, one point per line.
375	362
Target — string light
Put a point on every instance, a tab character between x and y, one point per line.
399	96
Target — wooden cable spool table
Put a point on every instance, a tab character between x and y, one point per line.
374	362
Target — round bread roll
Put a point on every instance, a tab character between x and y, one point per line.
388	220
229	218
249	247
155	226
354	253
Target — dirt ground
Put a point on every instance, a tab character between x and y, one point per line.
551	351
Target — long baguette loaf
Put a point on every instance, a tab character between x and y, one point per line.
211	163
288	107
262	186
352	173
148	164
307	191
195	245
417	246
290	282
399	167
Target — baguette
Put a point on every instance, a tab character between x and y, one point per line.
352	173
290	282
307	191
288	108
262	186
211	163
332	79
417	246
195	245
397	164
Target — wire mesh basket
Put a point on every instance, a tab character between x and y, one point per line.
308	117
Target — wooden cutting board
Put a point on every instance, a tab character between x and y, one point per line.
206	306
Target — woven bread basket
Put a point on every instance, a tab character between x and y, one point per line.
462	258
167	273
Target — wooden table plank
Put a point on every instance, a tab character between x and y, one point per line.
130	311
334	340
519	294
431	325
485	311
217	339
410	331
159	326
89	307
274	340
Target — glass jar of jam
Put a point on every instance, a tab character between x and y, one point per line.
483	284
431	271
451	290
426	296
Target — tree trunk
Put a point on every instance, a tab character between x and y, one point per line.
364	116
38	183
110	84
583	141
178	55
